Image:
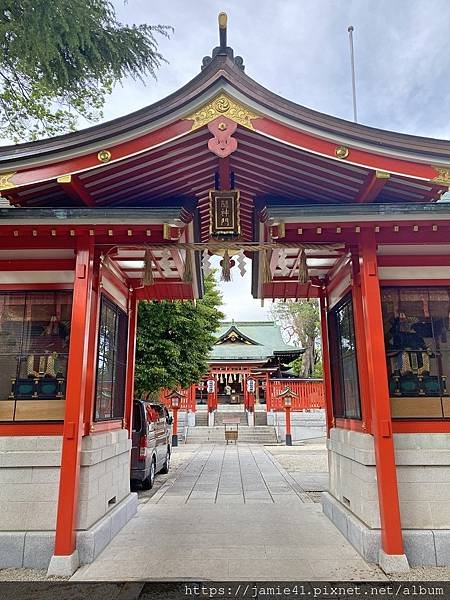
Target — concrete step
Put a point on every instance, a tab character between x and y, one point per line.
220	415
260	418
252	435
201	418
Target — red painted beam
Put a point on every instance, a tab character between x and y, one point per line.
415	260
224	173
356	156
49	264
372	187
88	161
73	187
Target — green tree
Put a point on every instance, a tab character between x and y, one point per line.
60	58
301	323
174	339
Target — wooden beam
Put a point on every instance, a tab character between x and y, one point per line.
224	173
372	187
74	188
40	264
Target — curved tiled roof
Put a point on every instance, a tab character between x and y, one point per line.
264	336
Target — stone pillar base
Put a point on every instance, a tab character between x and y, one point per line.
64	566
393	563
423	547
34	549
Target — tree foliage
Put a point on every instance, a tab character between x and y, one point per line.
60	58
300	321
174	339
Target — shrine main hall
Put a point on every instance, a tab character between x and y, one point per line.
95	221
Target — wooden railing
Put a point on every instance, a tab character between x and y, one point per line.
306	393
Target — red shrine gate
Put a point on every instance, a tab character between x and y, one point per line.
123	211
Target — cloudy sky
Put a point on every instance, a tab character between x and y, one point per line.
299	49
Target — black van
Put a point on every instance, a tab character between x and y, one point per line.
151	442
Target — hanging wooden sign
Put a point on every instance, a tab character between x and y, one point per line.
224	213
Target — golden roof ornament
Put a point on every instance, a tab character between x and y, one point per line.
222	49
226	106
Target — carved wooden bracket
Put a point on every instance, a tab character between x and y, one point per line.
222	144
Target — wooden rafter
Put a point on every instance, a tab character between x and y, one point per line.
73	187
372	187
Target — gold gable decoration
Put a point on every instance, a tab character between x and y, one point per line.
220	106
443	176
5	183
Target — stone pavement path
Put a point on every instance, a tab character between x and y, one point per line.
229	513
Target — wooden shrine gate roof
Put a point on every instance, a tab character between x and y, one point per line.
172	153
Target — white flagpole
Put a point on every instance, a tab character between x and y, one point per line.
352	59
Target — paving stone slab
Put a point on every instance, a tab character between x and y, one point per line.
223	517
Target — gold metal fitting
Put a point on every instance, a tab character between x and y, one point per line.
222	126
341	151
104	156
223	19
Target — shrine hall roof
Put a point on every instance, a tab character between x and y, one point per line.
254	340
168	154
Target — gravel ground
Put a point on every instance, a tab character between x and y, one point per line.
28	575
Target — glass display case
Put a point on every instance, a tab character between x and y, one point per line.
416	328
34	346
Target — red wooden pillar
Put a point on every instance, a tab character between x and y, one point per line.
361	343
92	351
131	355
244	387
175	426
288	426
75	398
391	531
326	361
268	393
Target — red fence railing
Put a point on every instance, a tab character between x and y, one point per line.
187	401
306	393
